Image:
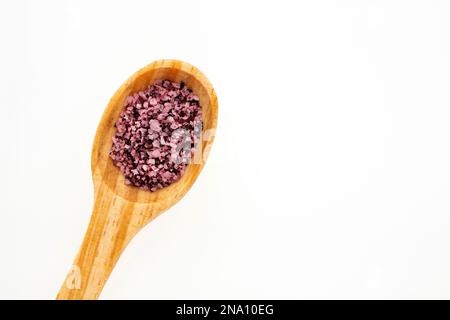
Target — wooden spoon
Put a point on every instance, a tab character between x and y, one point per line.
120	211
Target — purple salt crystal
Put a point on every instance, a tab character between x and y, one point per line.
154	125
144	140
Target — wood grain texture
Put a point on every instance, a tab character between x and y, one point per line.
120	211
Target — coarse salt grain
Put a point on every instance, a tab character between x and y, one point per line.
146	146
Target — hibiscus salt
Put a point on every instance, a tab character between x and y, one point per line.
156	134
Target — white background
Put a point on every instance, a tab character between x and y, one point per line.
329	176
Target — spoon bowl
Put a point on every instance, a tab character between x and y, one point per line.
121	210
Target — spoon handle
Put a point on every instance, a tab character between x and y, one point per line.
110	229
